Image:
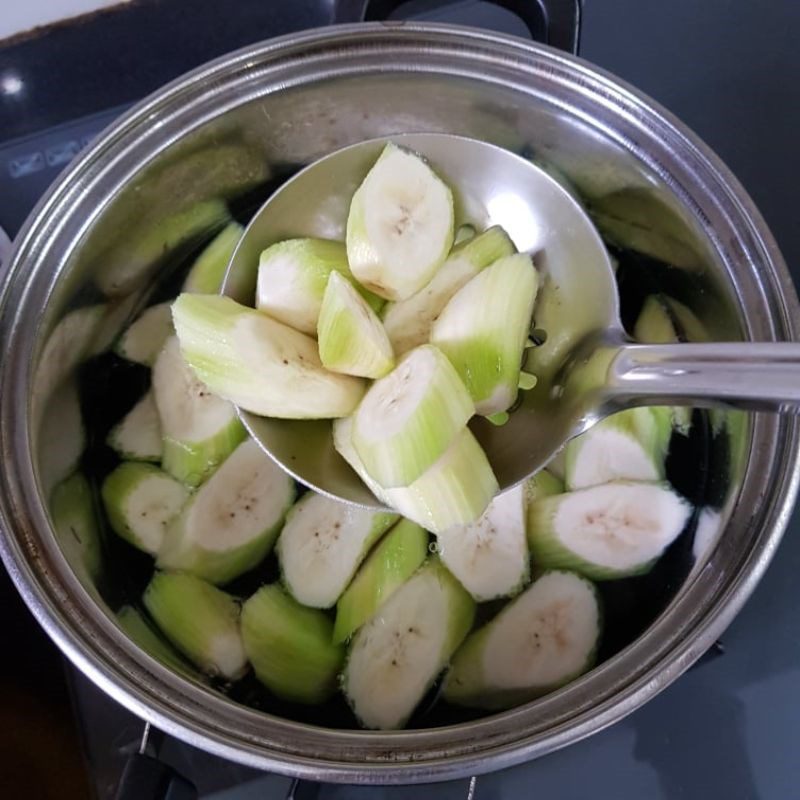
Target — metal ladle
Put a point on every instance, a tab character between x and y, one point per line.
586	366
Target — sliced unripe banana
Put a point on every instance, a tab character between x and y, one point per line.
293	275
391	563
148	243
543	484
200	429
140	501
605	532
142	341
455	490
543	639
409	418
61	437
134	623
259	364
400	225
484	327
232	521
68	345
630	445
76	526
208	270
655	325
396	656
200	620
691	328
322	544
351	338
489	557
290	646
343	442
137	436
408	322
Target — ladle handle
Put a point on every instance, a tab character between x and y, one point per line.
751	375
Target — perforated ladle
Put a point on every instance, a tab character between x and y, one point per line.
586	368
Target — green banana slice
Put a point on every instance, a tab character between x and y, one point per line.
259	364
655	325
151	241
322	544
408	322
149	639
489	557
67	346
455	490
61	439
137	436
396	656
142	341
352	339
483	330
393	561
201	621
76	526
231	523
140	501
545	638
200	430
290	646
400	225
605	532
630	445
208	270
543	484
343	442
293	275
409	418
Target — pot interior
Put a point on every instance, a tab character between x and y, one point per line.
229	137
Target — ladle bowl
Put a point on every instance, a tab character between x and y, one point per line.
585	366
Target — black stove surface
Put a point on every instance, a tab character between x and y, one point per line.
731	71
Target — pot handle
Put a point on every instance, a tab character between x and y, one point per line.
563	20
554	22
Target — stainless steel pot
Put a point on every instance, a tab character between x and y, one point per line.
251	118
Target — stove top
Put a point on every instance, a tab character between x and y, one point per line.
729	727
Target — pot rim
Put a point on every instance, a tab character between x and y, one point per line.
68	612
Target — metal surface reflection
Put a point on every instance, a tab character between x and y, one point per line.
492	186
